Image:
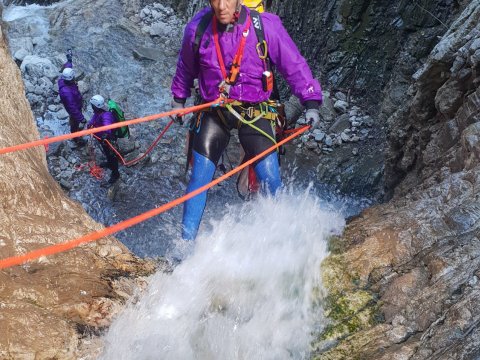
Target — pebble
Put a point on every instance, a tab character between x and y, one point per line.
344	137
320	136
328	141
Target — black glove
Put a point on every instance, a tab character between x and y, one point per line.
312	116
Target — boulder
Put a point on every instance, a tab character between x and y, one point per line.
342	123
21	54
341	106
37	67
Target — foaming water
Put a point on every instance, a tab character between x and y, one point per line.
245	292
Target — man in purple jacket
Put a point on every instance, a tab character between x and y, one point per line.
72	100
229	60
102	117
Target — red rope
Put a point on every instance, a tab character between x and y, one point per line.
150	148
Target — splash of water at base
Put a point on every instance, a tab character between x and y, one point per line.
246	292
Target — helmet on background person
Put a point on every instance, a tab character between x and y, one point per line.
68	74
98	101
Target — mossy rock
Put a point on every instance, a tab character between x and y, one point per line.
349	306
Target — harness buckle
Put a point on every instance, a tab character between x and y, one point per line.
251	112
224	89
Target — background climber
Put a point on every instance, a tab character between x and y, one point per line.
102	117
71	98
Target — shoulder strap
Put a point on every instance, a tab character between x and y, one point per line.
202	26
258	25
259	31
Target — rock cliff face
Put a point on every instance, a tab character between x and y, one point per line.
405	276
48	306
433	127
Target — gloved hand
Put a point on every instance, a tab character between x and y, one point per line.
69	55
312	116
176	105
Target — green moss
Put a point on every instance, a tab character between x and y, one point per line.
349	313
335	278
336	245
349	306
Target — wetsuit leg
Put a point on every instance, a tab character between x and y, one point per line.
212	137
74	125
267	169
202	173
208	145
112	161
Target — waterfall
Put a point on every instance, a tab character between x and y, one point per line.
250	289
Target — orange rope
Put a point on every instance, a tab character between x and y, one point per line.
150	148
47	141
95	170
54	249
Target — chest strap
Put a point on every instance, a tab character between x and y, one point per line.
232	76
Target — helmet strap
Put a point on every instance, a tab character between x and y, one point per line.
238	10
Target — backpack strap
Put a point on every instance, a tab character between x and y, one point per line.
200	31
262	47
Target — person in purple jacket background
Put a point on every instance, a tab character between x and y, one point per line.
71	99
102	117
229	60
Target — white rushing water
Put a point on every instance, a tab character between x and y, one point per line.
246	292
34	18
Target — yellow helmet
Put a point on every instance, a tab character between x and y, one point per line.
254	5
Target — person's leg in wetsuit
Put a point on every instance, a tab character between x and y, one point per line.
74	127
253	142
112	162
208	145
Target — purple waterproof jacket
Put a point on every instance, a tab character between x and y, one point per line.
204	65
102	118
71	97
